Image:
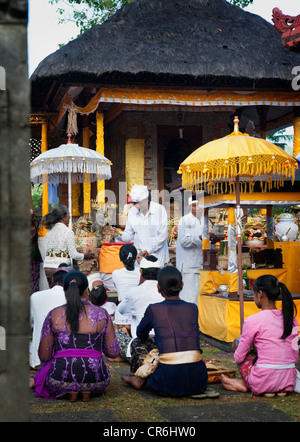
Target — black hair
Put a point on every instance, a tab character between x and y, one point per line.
58	277
75	283
98	295
55	216
128	255
152	272
170	281
276	290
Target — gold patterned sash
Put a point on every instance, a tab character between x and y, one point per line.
180	357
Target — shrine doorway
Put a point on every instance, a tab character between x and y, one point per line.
173	147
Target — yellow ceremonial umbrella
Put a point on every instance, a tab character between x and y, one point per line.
234	164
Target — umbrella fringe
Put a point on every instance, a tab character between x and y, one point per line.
58	172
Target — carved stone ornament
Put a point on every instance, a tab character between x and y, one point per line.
289	27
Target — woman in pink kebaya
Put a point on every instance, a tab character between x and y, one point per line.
270	369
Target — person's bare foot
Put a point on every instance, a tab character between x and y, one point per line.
233	384
125	330
134	381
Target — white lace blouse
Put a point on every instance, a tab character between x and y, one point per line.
60	243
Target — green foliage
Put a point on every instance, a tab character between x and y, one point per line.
88	13
36	194
241	3
280	138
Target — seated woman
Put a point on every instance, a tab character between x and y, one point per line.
60	241
181	370
129	276
273	333
73	338
124	280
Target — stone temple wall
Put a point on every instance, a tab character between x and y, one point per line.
14	212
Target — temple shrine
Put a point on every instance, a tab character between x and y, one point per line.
158	80
157	92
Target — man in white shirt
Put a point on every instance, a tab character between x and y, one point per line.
41	303
138	298
147	226
189	251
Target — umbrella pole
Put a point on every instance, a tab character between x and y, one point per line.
70	198
239	251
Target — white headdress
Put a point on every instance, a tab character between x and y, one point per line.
139	193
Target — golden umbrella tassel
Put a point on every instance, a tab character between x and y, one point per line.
234	164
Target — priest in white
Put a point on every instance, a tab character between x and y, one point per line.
147	226
189	251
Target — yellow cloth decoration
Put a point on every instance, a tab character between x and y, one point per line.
220	318
176	98
210	280
100	149
45	198
134	163
296	149
231	216
86	185
291	262
267	198
205	244
87	198
75	199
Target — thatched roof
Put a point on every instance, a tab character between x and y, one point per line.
196	42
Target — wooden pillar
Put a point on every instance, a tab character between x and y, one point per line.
100	149
262	113
296	122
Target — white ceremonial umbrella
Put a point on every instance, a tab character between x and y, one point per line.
70	163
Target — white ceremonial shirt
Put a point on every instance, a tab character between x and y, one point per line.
189	245
41	303
137	300
61	240
124	280
148	232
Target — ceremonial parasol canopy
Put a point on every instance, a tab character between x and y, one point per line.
214	167
70	163
234	163
84	165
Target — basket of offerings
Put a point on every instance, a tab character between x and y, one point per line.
84	234
254	235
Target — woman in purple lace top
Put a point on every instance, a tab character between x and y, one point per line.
73	338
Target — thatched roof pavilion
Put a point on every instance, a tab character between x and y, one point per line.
207	43
157	65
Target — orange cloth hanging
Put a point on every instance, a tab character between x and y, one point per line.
109	257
